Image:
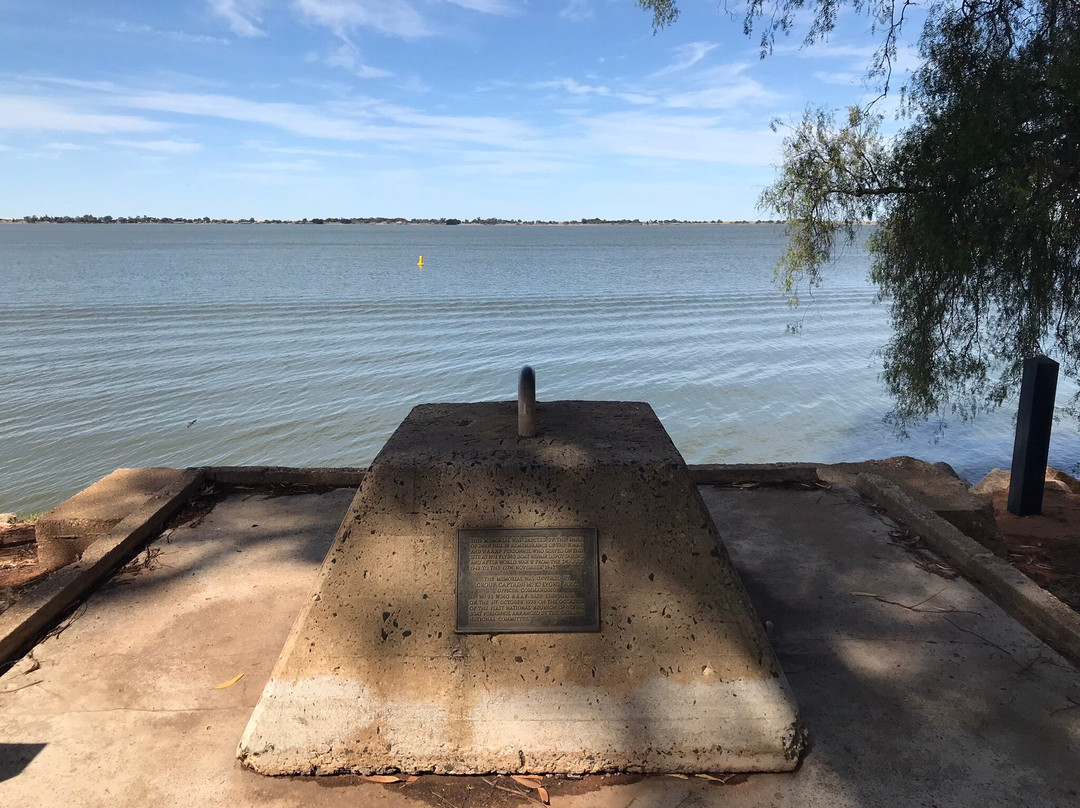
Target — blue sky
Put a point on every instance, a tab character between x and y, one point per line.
418	108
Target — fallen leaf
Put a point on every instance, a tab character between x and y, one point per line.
864	594
412	778
542	793
382	778
527	780
229	683
710	777
680	776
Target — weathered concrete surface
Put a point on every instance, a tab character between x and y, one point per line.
943	493
769	473
73	525
259	476
906	706
40	605
120	708
374	679
1047	617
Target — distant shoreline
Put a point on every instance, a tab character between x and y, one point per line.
376	220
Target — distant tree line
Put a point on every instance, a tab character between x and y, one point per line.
89	219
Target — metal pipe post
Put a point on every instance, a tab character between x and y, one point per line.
527	403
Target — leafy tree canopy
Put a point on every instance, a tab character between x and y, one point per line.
977	198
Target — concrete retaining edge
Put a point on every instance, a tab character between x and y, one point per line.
1052	621
768	473
282	475
37	610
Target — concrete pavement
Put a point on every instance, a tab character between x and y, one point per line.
916	689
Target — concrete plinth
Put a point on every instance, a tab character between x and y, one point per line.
68	529
373	678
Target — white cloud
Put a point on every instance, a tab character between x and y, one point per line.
680	137
276	166
178	36
54	151
161	146
241	15
723	87
499	7
573	87
576	88
688	55
414	84
358	120
347	56
397	18
32	113
840	78
577	11
65	147
636	98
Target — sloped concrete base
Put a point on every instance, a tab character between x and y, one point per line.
373	678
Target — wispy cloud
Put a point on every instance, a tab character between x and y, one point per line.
679	137
396	18
576	88
54	151
31	113
241	15
179	147
347	56
178	36
357	120
719	88
841	78
577	11
500	7
687	55
573	87
859	57
65	147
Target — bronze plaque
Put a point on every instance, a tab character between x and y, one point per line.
518	580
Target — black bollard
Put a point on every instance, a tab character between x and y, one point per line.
527	403
1032	445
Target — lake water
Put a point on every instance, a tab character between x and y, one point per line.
307	345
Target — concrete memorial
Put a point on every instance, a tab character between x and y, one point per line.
501	603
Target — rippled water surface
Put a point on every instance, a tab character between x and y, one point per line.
307	345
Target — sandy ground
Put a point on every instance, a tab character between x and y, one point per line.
916	689
1045	547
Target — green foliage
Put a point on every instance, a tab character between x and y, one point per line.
829	185
977	250
664	12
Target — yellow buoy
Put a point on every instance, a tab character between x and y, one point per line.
420	263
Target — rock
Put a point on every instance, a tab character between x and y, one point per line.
998	480
943	466
1066	481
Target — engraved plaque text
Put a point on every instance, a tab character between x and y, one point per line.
513	580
